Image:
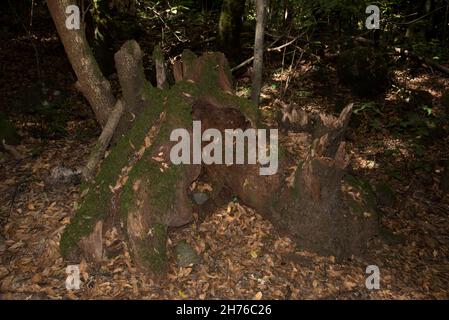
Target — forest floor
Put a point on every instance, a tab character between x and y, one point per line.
242	255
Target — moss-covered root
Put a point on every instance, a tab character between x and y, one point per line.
148	243
96	203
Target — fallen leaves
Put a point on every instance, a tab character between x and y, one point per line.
243	257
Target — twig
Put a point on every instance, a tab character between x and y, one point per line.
249	60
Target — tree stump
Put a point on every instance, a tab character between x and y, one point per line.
140	191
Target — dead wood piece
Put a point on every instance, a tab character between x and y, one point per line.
161	73
92	245
103	141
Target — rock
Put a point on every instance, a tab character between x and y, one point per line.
61	175
200	198
385	195
185	255
364	70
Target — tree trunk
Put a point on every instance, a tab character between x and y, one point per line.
142	193
229	28
91	82
258	51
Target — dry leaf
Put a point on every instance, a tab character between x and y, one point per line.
258	296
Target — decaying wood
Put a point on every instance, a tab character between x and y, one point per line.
193	70
103	141
161	72
92	245
303	199
129	64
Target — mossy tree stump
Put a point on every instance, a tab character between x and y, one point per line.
141	192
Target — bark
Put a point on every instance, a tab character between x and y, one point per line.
91	82
258	51
229	28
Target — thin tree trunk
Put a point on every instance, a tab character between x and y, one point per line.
91	82
258	51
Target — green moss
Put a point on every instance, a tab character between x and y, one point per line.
155	257
96	203
162	184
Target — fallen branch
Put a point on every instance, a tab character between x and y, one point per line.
279	48
103	141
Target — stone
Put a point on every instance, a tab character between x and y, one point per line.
185	255
200	198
